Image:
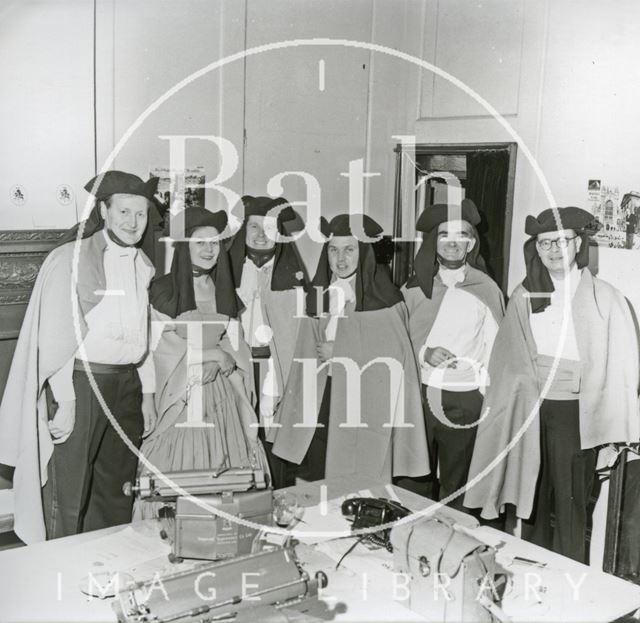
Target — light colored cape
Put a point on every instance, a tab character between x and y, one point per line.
48	339
608	398
46	342
383	448
423	311
279	309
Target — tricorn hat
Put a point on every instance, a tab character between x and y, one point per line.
114	182
441	212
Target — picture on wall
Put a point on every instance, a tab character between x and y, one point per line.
616	219
193	192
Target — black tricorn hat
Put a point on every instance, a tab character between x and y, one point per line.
261	206
537	279
196	216
557	219
118	182
439	213
351	225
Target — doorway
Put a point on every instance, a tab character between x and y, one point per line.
486	173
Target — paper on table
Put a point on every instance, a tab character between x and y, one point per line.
121	551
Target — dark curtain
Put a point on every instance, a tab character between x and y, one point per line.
486	185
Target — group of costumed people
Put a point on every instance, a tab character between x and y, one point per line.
431	385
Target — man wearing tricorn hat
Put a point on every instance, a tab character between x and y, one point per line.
563	383
454	312
369	422
267	272
73	447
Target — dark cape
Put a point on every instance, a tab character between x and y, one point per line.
374	288
289	270
172	294
537	279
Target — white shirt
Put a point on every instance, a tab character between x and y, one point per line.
466	327
118	326
546	325
341	292
257	331
252	283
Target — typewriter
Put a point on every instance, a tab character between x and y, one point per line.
221	515
257	587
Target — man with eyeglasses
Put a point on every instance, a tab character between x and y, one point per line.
454	312
563	384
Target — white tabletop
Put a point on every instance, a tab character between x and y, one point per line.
41	582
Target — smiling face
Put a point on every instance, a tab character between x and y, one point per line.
261	234
126	216
556	258
455	240
343	253
203	250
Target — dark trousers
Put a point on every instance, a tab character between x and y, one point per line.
314	462
282	472
86	472
565	482
452	448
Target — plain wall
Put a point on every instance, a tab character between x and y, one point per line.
46	109
576	107
563	74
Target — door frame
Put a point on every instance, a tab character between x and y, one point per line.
403	257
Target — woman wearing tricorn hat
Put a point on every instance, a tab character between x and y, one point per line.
267	273
199	289
74	449
382	434
454	312
568	339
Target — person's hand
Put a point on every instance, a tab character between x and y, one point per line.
61	426
149	414
324	350
227	363
210	370
438	355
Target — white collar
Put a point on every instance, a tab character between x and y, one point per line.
451	276
113	247
338	301
342	282
560	285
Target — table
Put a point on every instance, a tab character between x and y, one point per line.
40	582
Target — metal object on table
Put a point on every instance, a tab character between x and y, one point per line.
196	532
196	482
371	512
442	561
191	522
222	591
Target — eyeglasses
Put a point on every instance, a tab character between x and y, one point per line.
561	243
